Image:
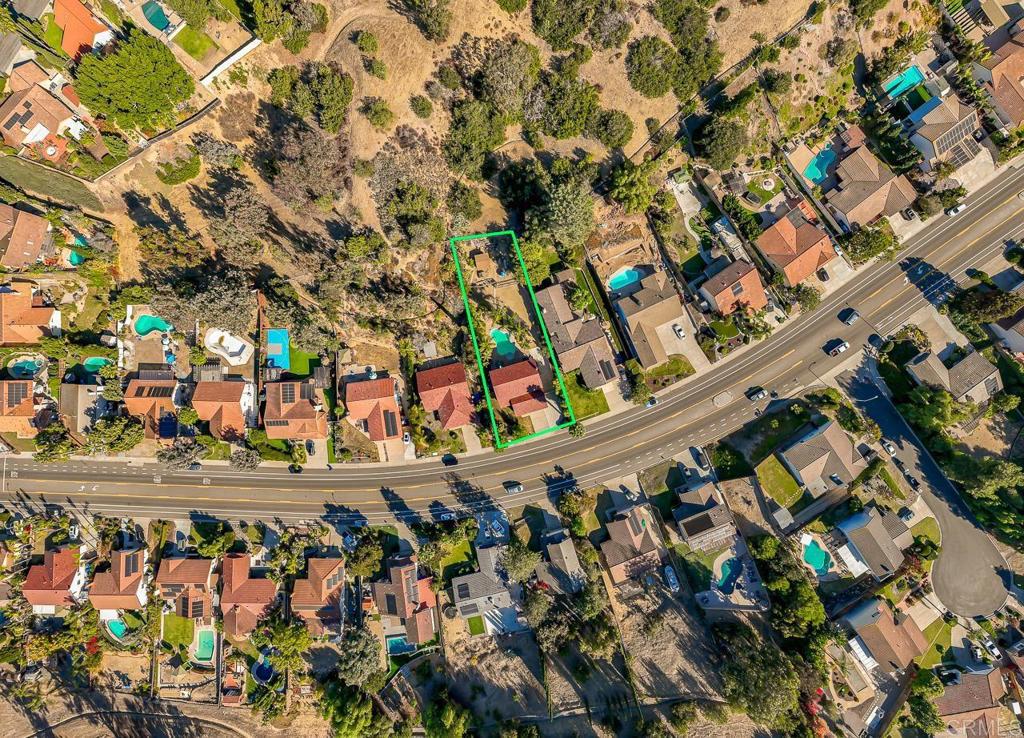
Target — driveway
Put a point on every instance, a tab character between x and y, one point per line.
967	575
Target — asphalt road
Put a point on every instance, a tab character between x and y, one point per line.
704	409
967	576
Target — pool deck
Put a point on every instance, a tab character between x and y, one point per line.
748	592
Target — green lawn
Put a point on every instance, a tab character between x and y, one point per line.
47	182
692	264
699	566
195	43
232	7
132	620
302	362
773	430
476	625
52	33
940	638
762	194
178	631
778	482
724	330
658	483
928	528
676	368
890	482
461	561
586	403
112	12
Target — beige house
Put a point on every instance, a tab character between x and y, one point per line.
647	314
634	546
972	379
883	640
867	189
946	133
823	459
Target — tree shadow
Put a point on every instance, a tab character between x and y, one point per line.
161	213
400	509
936	286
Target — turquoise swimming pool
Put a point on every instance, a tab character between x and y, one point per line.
94	363
817	170
204	650
731	570
399	645
624	278
904	82
155	15
117	628
818	558
146	324
25	368
503	345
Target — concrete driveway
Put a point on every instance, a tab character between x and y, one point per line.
968	573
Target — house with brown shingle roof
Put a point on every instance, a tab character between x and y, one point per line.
635	546
736	287
519	387
221	405
188	584
57	582
874	542
24	318
32	115
122	586
152	402
1002	77
823	458
18	408
971	706
946	133
647	314
317	598
795	245
23	236
294	411
867	190
244	599
444	391
883	640
579	341
373	406
406	601
973	378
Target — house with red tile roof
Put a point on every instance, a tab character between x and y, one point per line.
57	582
373	406
317	598
24	318
796	245
294	411
738	286
1002	77
444	391
187	584
406	602
23	236
519	387
152	402
122	586
221	405
82	32
244	599
18	408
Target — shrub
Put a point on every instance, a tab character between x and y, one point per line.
449	77
421	106
366	42
474	132
721	141
377	112
377	68
560	21
613	128
180	170
651	66
722	14
512	6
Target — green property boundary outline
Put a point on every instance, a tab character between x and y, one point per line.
484	379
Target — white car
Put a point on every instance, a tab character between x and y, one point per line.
678	330
991	647
955	210
889	448
839	348
671	580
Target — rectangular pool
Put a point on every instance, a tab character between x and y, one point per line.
277	349
904	82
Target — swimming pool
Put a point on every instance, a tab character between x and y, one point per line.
94	363
155	15
398	645
25	368
277	349
262	670
817	169
818	558
117	628
731	570
76	258
146	324
624	278
503	345
204	650
904	82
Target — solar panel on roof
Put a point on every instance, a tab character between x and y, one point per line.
16	394
197	609
159	391
131	564
463	590
274	423
390	423
306	391
287	393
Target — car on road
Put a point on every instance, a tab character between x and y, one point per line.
837	347
652	402
449	460
849	316
956	210
195	466
671	580
889	448
446	517
512	487
678	330
294	469
756	393
912	481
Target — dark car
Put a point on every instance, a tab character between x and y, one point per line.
449	460
295	469
756	393
876	341
912	481
849	316
512	487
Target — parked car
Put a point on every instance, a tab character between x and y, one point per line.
671	580
849	316
652	402
912	481
889	448
756	393
977	653
956	210
700	458
823	274
406	438
906	514
446	516
310	448
991	647
908	214
512	487
678	330
837	347
449	460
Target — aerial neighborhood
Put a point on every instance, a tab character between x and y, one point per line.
512	368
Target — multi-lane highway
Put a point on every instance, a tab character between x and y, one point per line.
702	409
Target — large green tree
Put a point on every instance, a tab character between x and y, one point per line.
758	678
138	85
652	66
633	185
720	141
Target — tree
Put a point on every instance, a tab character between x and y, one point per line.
359	658
776	82
464	201
567	103
365	558
934	410
115	435
688	23
613	128
651	66
212	540
720	141
421	106
569	215
865	244
377	112
443	718
519	560
240	220
432	17
807	296
351	712
611	25
474	132
986	305
224	294
683	716
757	677
508	72
181	454
633	185
138	85
245	459
53	443
216	152
290	642
577	430
560	21
309	166
366	42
